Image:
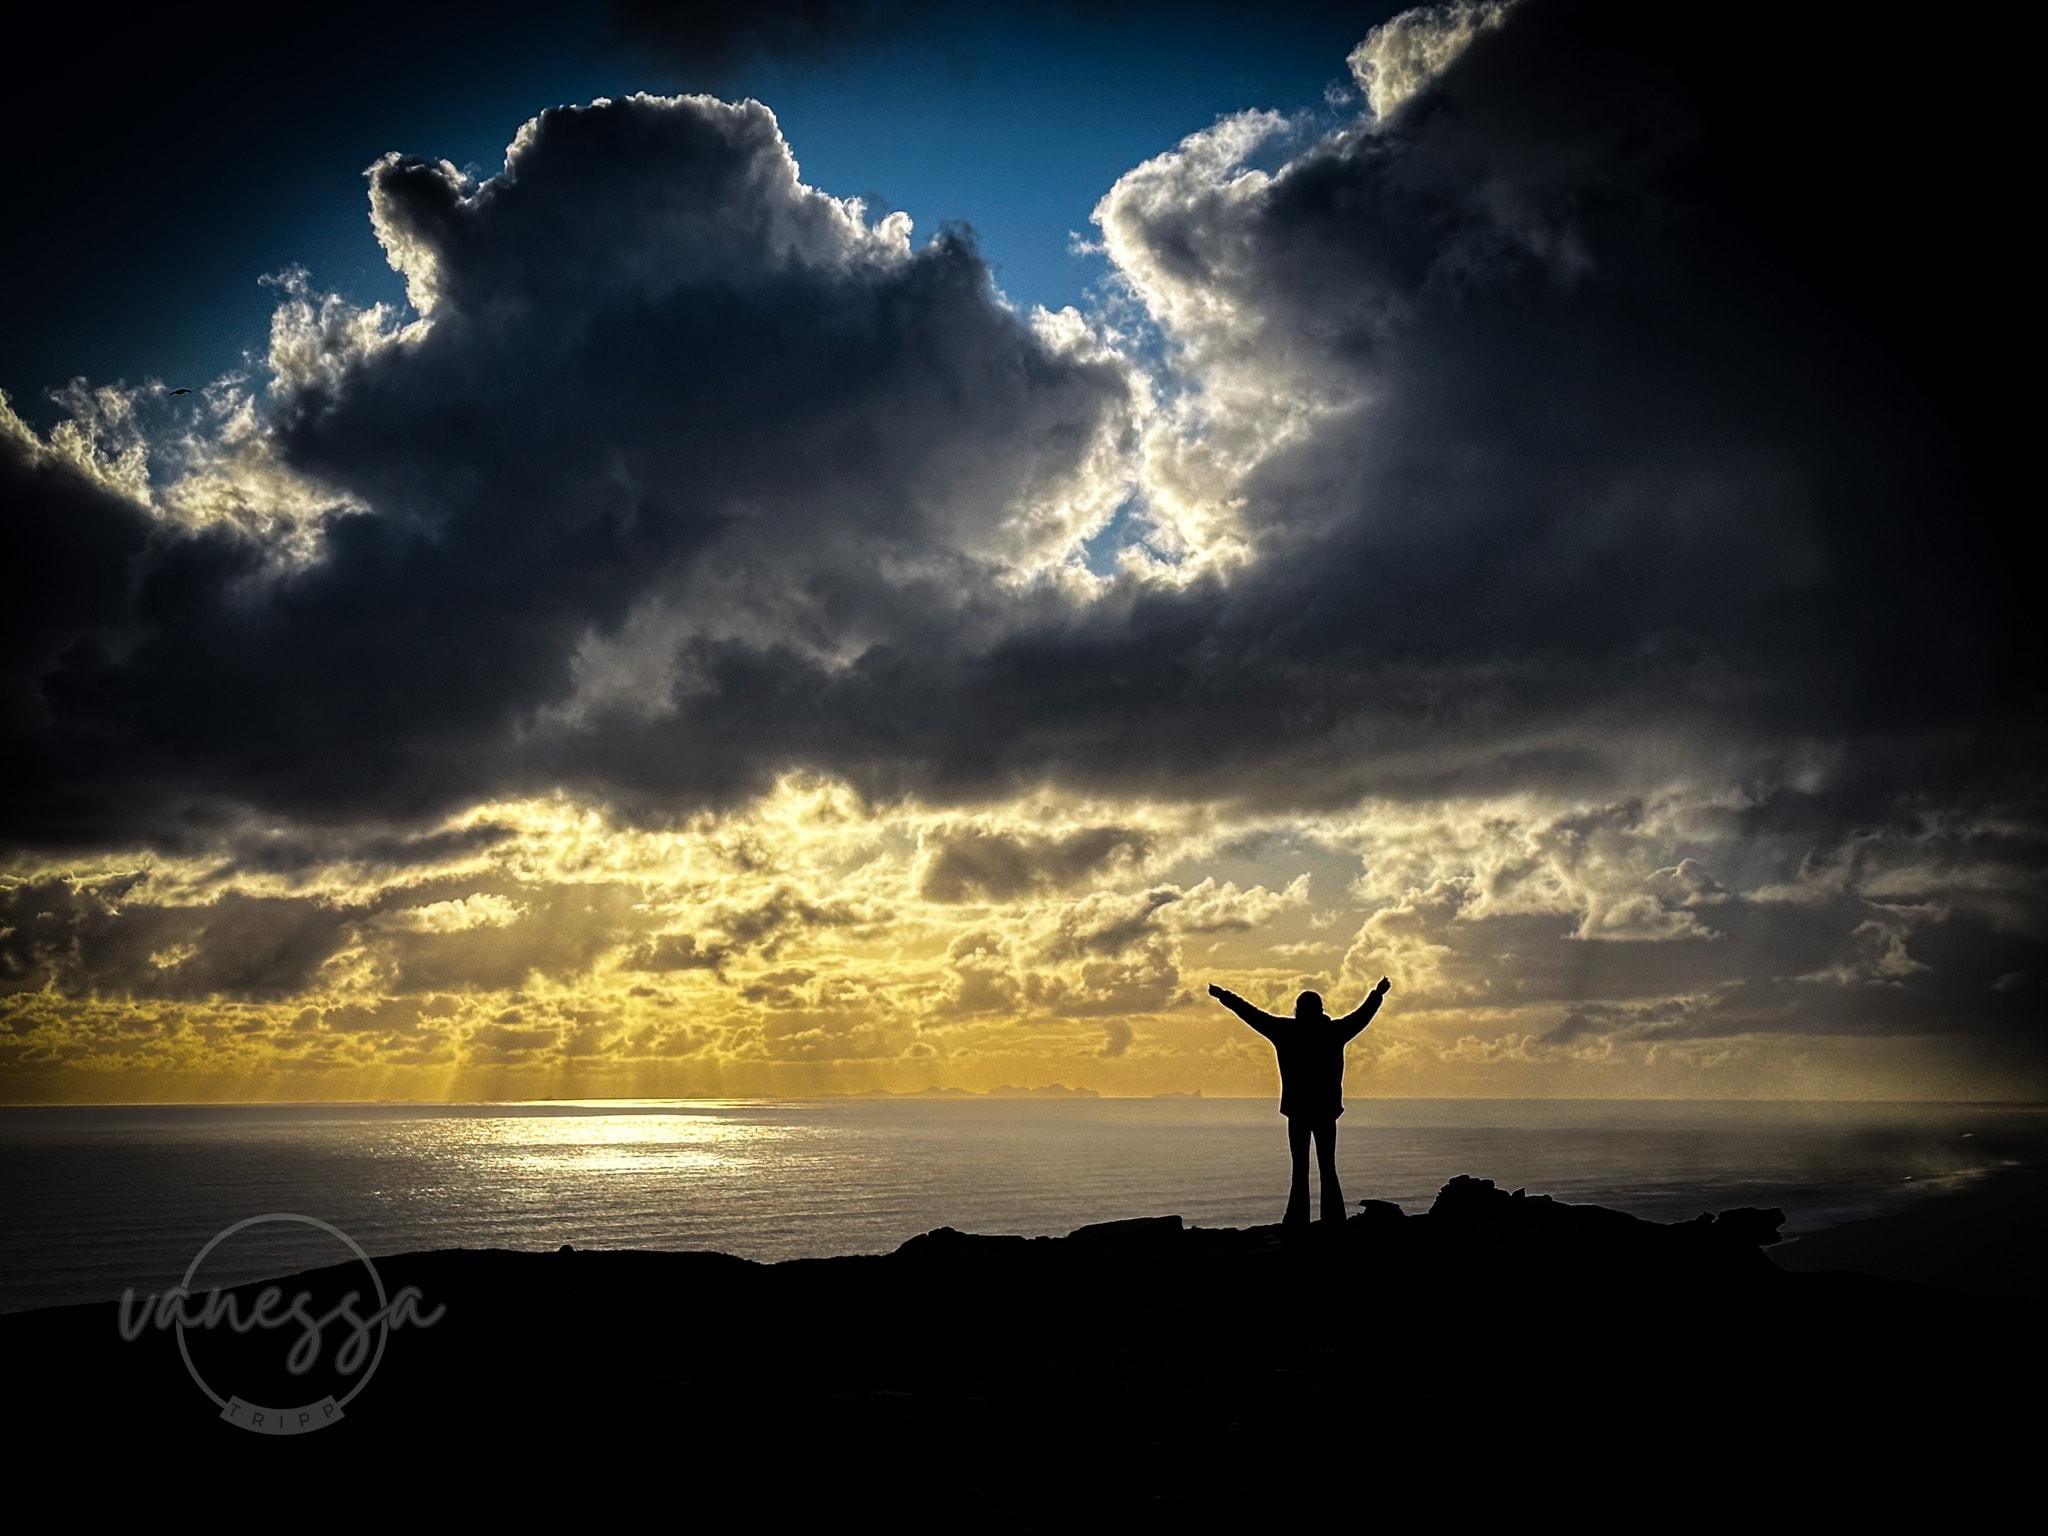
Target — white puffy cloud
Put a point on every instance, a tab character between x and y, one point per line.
1399	57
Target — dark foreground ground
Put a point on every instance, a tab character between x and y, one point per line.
1510	1357
1988	1239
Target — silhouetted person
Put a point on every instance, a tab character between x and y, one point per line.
1311	1050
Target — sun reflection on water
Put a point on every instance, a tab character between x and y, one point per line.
612	1145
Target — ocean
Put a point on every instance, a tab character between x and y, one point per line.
97	1200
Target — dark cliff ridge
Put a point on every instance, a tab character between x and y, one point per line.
1470	1216
1471	1357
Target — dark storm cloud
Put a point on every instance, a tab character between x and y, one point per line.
677	952
66	546
761	928
1864	953
1653	451
119	936
84	937
555	930
303	850
1648	444
1890	977
649	345
968	863
1646	437
1110	925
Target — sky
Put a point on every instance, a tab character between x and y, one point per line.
564	551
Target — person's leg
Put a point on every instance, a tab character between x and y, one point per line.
1297	1193
1326	1158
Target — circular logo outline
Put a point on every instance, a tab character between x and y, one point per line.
383	1303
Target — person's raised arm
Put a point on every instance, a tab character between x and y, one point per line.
1263	1022
1355	1021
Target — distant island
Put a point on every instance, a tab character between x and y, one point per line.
1502	1351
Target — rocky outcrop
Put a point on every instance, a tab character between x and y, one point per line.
1468	1201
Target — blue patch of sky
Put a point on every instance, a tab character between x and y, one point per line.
1018	125
1126	526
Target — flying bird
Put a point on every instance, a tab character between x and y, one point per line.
181	391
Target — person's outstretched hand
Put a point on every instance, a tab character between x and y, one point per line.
1384	987
1214	990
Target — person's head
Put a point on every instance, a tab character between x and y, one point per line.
1309	1006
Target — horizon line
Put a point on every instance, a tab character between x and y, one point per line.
955	1095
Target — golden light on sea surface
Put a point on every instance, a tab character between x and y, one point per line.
550	1148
